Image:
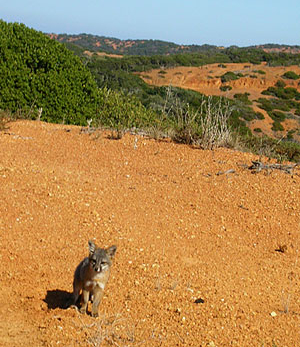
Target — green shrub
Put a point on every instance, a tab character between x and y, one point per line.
261	72
116	110
259	115
281	150
257	130
238	124
277	126
287	93
279	104
280	84
291	75
225	88
243	97
37	72
265	104
230	76
290	134
290	150
277	115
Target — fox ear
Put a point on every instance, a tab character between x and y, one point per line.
111	251
92	247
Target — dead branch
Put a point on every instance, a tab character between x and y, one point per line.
258	166
225	172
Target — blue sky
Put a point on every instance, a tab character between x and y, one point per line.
217	22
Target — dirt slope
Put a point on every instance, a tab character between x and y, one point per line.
184	234
206	79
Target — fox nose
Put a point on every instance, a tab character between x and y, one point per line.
97	269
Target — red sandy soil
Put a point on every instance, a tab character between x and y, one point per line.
206	80
203	259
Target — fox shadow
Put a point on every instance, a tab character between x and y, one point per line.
57	299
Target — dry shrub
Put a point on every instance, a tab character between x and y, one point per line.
214	124
5	118
206	127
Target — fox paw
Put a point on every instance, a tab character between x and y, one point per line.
82	310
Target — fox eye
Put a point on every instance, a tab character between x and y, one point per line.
93	261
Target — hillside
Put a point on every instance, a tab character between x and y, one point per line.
203	258
254	80
280	48
43	80
113	45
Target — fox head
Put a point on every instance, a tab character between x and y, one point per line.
100	259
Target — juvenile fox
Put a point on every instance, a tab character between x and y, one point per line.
91	276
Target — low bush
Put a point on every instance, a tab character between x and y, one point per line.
280	92
278	104
290	134
277	115
280	84
281	150
259	115
261	72
116	110
277	126
230	76
291	75
243	97
225	88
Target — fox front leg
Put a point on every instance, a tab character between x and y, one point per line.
84	301
97	297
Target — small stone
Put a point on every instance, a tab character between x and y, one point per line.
273	314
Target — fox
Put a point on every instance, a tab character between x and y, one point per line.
91	277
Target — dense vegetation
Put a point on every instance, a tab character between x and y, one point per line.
37	72
40	73
137	63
